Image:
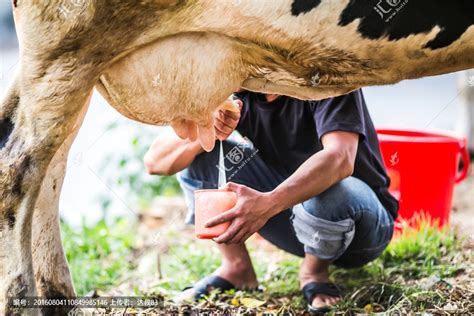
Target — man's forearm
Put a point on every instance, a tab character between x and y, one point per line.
183	156
313	177
169	155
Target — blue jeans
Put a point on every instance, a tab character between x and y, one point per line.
346	223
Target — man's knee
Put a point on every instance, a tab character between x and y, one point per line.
341	201
325	224
322	238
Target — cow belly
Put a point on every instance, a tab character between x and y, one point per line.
180	77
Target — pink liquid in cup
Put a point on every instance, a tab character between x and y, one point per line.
208	204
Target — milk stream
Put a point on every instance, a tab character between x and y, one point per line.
222	178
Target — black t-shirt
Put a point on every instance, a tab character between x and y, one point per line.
288	131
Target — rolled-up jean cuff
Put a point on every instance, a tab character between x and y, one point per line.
324	239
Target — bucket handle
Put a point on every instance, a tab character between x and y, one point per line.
464	153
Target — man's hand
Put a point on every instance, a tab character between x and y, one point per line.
226	121
252	211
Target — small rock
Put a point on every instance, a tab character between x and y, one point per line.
450	307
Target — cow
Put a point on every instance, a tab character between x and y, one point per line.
174	62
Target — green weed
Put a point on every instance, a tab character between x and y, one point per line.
411	275
98	255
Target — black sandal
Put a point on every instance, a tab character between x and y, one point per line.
213	282
312	289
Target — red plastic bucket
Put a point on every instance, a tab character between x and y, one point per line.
423	168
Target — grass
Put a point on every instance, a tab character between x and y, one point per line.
414	274
408	276
99	256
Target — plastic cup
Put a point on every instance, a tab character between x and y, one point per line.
208	204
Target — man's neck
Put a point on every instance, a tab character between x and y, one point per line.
271	97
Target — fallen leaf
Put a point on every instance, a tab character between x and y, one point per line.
251	302
369	308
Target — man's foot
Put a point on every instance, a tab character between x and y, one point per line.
316	270
239	274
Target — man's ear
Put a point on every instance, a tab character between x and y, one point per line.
207	137
185	129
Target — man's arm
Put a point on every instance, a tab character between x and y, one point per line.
170	154
325	168
322	170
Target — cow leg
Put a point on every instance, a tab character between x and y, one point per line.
35	119
53	279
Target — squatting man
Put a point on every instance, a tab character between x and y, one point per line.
313	184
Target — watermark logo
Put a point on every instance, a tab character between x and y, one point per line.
156	81
394	3
72	8
316	238
315	80
387	9
394	159
76	312
470	81
157	238
78	158
236	156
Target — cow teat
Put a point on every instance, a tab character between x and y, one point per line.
207	137
205	132
186	129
